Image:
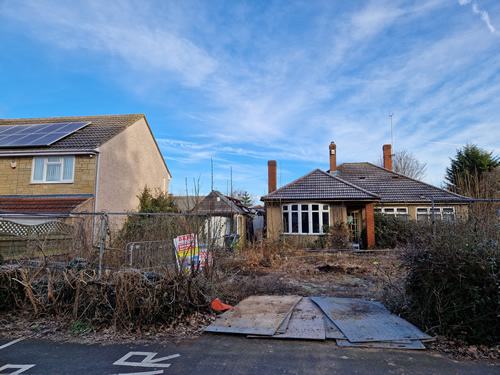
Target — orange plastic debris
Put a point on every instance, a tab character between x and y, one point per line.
217	305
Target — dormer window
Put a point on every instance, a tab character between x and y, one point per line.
53	169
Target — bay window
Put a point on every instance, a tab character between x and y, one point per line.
305	218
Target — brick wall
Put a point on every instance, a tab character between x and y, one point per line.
370	227
18	181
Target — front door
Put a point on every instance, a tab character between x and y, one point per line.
354	222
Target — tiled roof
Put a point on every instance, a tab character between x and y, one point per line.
392	187
218	204
187	203
320	185
101	129
46	204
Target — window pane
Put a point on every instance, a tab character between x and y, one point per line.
305	222
54	160
285	208
325	207
38	173
304	207
326	219
295	207
315	220
53	172
286	229
402	210
448	217
68	168
315	207
295	222
389	210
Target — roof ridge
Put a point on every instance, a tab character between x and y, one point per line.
351	185
64	117
410	178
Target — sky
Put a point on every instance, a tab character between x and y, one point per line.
228	85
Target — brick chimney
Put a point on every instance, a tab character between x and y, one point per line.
333	157
387	157
271	175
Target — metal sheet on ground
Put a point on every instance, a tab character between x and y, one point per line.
256	315
331	330
365	321
306	323
413	344
284	325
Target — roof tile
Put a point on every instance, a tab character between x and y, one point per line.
101	129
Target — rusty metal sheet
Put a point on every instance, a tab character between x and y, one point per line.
256	315
366	321
411	344
306	323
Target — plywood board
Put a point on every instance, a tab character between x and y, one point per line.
306	323
256	315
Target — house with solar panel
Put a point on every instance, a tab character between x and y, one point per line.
352	193
76	164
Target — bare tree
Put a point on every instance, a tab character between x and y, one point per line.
406	163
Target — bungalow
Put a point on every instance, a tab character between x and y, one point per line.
351	193
229	218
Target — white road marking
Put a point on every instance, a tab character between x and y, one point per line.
143	373
148	360
11	343
20	369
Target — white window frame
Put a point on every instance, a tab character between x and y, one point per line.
46	162
322	208
439	213
393	211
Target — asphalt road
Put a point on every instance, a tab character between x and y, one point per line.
222	354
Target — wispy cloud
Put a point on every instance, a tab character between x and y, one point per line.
246	83
115	30
482	13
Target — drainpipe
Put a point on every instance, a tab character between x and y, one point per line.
96	189
433	217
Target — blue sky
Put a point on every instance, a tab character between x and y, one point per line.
243	82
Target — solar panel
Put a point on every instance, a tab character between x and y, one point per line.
37	134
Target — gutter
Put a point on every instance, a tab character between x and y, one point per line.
50	152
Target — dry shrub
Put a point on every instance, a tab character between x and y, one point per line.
336	236
452	281
126	299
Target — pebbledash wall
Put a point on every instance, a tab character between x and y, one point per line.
17	181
